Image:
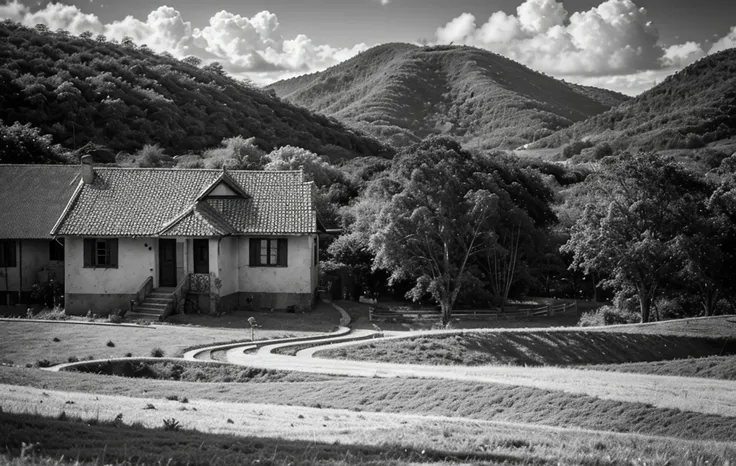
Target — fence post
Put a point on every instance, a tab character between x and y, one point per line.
550	311
370	314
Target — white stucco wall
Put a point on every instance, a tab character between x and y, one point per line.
228	265
295	278
135	263
31	255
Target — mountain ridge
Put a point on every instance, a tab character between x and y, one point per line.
401	93
82	90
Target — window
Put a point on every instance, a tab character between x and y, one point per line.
56	249
101	253
268	252
7	253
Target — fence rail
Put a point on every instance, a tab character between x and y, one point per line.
377	314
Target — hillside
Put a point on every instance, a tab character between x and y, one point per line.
81	90
401	93
694	107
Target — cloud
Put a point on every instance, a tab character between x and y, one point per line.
726	42
615	37
243	45
681	55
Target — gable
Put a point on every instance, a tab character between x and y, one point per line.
222	190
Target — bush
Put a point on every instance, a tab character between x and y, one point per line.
608	315
50	294
157	353
110	344
57	313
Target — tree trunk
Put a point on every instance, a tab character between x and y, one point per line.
446	307
644	305
709	299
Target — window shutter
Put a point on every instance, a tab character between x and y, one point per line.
283	251
89	251
255	246
11	254
113	245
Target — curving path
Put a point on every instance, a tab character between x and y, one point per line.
709	396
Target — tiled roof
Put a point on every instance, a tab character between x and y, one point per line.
33	197
164	202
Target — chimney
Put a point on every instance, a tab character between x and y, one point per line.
88	171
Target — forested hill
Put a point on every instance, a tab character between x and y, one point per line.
694	107
401	93
85	89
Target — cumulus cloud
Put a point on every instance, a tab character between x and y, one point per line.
681	55
243	45
615	37
726	42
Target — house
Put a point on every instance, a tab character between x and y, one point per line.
32	198
155	238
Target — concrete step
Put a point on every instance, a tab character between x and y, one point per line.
155	299
149	309
159	295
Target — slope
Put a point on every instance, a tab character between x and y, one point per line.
81	90
692	108
401	93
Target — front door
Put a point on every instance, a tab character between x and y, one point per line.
201	255
166	262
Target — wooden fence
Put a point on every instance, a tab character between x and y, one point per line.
398	314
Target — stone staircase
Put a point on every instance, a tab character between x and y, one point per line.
153	306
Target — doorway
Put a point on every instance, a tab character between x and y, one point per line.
167	262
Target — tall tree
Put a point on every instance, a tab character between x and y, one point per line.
439	219
632	231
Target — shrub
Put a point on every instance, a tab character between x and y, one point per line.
72	359
607	315
171	424
110	344
57	313
115	317
157	353
43	363
50	294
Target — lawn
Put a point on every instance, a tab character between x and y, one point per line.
716	327
532	347
713	367
320	437
480	401
27	342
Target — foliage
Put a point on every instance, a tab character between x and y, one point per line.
608	315
78	90
401	93
25	144
693	107
236	153
157	353
432	232
50	293
645	207
55	313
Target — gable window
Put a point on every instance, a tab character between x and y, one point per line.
56	249
7	253
268	252
101	253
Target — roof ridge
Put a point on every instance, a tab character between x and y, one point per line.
217	170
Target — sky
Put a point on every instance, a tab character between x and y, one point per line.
623	45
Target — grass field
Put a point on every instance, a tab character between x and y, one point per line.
534	348
27	342
713	367
337	438
482	401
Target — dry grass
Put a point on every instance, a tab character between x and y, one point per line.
713	367
115	430
534	348
711	327
482	401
